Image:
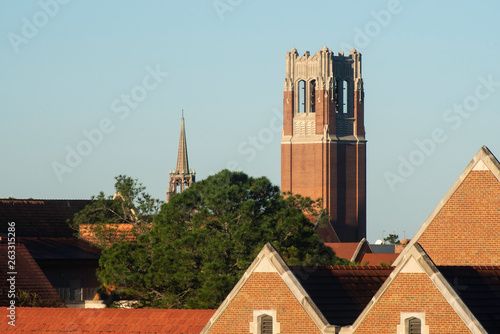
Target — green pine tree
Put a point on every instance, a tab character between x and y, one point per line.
204	239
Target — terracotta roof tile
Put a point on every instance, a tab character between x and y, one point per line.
111	321
375	259
344	250
29	277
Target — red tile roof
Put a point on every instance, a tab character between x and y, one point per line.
116	233
28	278
110	321
344	250
324	229
375	259
342	292
40	218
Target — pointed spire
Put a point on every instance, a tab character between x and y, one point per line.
182	177
182	157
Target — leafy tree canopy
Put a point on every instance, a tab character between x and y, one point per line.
130	205
392	239
204	239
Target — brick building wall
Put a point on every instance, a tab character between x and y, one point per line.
412	292
306	175
334	173
323	148
466	231
347	202
264	291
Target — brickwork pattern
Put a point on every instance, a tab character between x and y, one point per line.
307	170
347	203
412	293
466	231
320	165
335	173
264	291
288	105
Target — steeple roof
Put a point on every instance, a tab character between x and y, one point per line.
182	157
182	177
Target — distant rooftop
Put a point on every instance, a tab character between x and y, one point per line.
109	321
29	278
39	218
383	248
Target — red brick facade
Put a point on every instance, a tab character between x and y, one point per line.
466	231
412	293
323	150
264	291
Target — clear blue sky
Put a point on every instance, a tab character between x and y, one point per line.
68	66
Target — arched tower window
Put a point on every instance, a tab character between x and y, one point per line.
345	97
302	96
265	324
312	96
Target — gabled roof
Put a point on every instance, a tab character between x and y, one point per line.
352	251
28	277
109	321
60	249
332	296
37	218
344	250
269	261
470	208
416	261
323	228
342	292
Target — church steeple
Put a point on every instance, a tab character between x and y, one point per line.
182	177
182	157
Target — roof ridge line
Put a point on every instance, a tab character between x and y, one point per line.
493	165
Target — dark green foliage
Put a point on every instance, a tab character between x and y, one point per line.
392	239
31	299
130	205
204	239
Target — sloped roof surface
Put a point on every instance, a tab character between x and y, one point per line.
344	250
40	218
29	277
376	259
60	249
341	292
53	320
479	289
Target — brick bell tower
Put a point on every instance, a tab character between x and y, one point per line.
323	148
